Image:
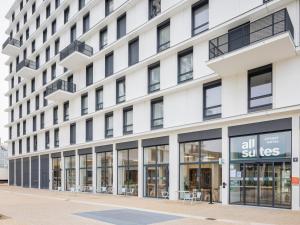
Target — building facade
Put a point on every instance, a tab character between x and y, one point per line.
156	98
3	164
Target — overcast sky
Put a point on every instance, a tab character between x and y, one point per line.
3	70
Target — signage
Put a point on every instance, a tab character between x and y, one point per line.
295	180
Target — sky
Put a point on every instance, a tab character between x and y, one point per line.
4	7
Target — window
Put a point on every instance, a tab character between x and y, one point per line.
24	127
56	46
73	133
45	35
42	120
33	46
121	26
37	102
89	75
128	120
81	4
44	77
55	115
37	61
57	3
24	90
45	101
73	33
157	113
109	130
121	90
53	71
154	8
48	11
99	98
163	36
10	133
18	130
35	143
47	53
104	171
185	65
260	88
10	100
199	17
56	138
133	50
86	23
25	18
27	33
20	146
12	115
12	82
17	95
28	144
47	140
212	100
66	111
66	14
86	171
13	148
34	123
21	5
109	64
28	107
84	104
10	68
33	8
13	16
37	22
89	130
109	7
20	111
103	38
53	27
21	40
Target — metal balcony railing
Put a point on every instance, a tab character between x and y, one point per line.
60	85
27	63
76	46
247	34
11	41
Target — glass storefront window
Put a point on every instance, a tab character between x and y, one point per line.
70	172
86	172
200	170
243	147
56	173
156	171
128	171
104	172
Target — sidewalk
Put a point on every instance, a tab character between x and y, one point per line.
50	207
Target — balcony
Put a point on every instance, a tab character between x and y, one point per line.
11	47
27	69
252	45
60	91
76	55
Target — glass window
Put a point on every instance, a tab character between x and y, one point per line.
185	65
104	172
37	102
73	133
128	120
154	77
34	123
56	173
66	111
121	91
47	54
157	113
57	3
48	11
200	17
109	7
212	99
42	120
109	130
163	36
89	75
109	64
154	8
133	49
86	172
56	137
211	150
89	130
56	47
47	140
55	115
38	22
53	29
86	23
243	147
260	88
66	14
81	4
103	38
99	98
45	35
121	26
73	33
84	104
70	172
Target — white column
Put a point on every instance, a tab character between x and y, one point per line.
140	170
77	168
62	167
225	166
173	167
50	173
94	171
115	170
295	165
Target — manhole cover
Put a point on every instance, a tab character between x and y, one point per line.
211	219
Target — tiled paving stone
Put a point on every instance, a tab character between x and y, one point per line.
128	217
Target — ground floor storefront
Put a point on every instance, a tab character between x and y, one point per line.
244	164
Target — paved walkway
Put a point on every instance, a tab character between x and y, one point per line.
40	207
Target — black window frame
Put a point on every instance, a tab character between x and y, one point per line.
153	102
55	115
66	14
89	75
257	72
127	131
120	99
73	31
109	64
35	143
56	137
48	10
24	127
47	140
24	91
44	77
34	123
151	12
109	133
28	144
72	133
98	103
86	23
37	102
133	57
119	20
107	3
66	108
84	97
45	35
56	46
180	55
81	4
195	7
207	86
89	129
161	47
101	39
150	68
38	22
53	27
32	85
42	120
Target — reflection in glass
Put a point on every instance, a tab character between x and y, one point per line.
86	172
56	173
104	172
70	172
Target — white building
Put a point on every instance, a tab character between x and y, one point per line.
3	164
156	97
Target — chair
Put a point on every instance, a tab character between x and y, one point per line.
59	188
103	189
130	192
165	194
187	196
196	196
